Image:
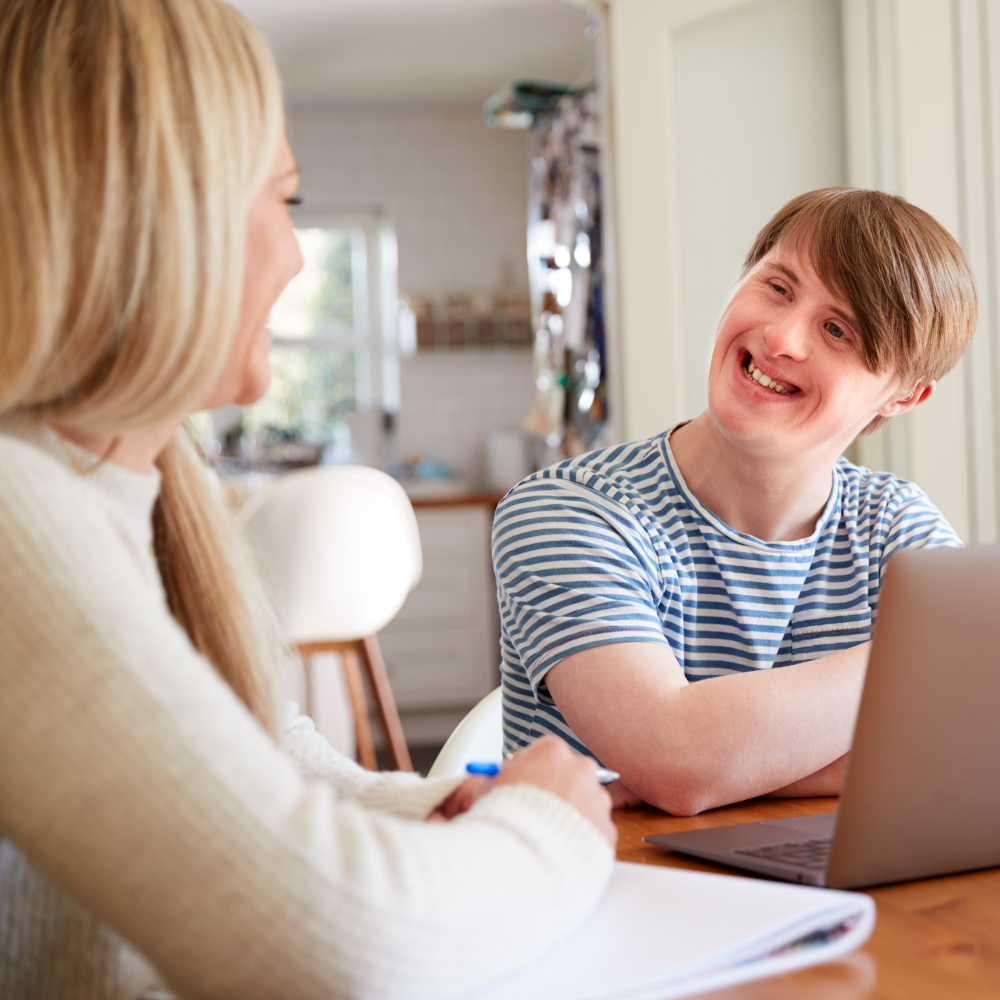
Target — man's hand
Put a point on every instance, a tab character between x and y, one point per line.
827	780
622	797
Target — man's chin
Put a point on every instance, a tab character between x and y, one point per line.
752	430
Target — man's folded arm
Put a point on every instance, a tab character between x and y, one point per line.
686	747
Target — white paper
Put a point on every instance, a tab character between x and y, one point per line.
661	932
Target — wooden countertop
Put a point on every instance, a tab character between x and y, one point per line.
457	500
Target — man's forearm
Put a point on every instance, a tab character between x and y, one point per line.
744	735
689	747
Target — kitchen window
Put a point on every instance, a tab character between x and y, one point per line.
335	337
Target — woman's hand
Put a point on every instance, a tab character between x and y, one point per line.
461	799
551	764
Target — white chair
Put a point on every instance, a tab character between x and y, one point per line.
339	550
478	737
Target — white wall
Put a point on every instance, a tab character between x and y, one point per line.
453	399
455	189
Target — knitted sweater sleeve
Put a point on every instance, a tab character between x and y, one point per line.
132	776
397	792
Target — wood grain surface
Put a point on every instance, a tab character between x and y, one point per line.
936	939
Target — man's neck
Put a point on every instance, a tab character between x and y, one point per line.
773	501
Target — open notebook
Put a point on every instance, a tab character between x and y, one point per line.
664	932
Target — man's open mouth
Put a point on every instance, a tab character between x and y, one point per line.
781	388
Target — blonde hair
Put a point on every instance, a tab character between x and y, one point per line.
133	137
907	280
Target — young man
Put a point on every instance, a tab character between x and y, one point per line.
740	541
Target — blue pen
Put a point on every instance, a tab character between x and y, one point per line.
604	776
479	768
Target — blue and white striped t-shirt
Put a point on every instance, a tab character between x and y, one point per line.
614	547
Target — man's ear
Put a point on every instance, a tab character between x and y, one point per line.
920	394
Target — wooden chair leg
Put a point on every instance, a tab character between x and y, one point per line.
355	655
371	657
308	687
359	703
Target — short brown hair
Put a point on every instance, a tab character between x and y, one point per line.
904	274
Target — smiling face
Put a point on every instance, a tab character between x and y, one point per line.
787	376
273	258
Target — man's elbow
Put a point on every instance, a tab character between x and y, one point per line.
683	805
680	795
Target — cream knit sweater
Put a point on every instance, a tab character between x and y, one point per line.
144	812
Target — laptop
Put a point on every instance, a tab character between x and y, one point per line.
921	793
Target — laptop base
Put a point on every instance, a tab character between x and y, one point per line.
727	845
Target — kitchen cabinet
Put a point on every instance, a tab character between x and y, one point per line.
442	649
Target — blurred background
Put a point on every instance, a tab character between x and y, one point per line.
521	220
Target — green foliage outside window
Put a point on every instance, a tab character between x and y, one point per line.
319	301
313	384
311	388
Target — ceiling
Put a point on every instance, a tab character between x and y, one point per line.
425	51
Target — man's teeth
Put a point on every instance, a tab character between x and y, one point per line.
764	380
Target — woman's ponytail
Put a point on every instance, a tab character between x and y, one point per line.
212	587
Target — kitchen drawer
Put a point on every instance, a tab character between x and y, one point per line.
453	529
440	668
450	588
442	649
457	576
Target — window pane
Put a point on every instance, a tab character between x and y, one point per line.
311	388
327	296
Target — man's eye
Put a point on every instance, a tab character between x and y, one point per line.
835	331
780	289
294	200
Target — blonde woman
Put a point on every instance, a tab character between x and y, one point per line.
151	828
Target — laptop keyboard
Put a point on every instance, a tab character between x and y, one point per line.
813	854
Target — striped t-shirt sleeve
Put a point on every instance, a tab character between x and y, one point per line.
913	522
574	570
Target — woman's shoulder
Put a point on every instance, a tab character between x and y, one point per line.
50	508
33	479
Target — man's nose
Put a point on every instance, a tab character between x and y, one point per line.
788	337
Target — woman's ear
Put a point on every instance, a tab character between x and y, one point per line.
919	394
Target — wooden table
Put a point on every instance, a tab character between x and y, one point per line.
937	939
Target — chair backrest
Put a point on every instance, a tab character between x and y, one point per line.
338	548
478	737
